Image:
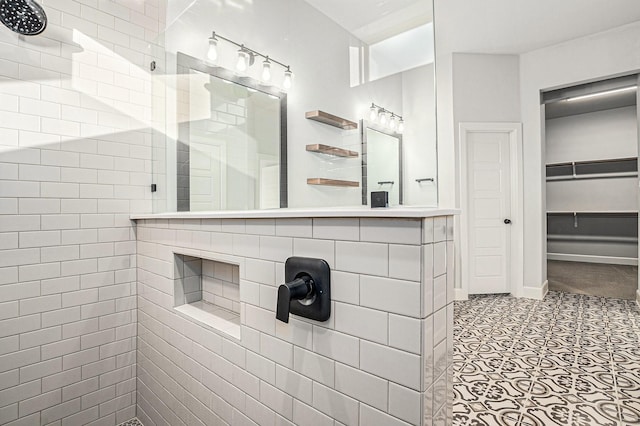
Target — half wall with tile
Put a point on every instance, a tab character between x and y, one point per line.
384	356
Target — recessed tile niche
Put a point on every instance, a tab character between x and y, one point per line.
208	291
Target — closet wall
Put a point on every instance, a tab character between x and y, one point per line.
592	203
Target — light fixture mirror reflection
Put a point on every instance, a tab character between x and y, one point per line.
287	79
266	70
212	52
243	60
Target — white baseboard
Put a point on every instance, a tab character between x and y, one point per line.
537	293
638	297
611	260
460	294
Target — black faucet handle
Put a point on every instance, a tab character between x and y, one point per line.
297	289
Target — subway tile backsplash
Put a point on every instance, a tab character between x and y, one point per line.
380	359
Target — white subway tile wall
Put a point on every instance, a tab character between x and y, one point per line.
382	358
75	162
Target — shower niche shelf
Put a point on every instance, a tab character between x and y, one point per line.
331	120
332	150
207	291
332	182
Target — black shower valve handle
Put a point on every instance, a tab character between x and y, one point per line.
300	288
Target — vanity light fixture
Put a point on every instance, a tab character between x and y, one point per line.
212	52
288	77
243	60
246	58
386	118
382	117
266	70
373	113
392	122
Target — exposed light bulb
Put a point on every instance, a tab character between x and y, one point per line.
400	126
287	79
373	113
243	59
212	53
392	122
266	70
382	118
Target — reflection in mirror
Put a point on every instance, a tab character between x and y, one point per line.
381	162
231	152
345	55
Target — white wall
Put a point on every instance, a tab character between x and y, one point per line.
317	50
485	88
589	58
598	135
75	161
419	139
470	87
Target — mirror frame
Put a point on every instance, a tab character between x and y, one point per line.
185	63
364	125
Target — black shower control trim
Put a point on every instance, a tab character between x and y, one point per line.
307	291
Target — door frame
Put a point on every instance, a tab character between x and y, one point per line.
516	255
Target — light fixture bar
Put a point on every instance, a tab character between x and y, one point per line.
382	109
606	92
386	118
245	48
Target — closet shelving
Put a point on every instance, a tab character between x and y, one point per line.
599	228
596	169
592	172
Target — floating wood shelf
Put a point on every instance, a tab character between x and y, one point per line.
330	119
331	150
332	182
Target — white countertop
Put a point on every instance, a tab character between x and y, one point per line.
360	211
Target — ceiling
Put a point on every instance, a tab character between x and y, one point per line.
376	20
482	26
518	26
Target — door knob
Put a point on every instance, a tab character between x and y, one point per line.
507	221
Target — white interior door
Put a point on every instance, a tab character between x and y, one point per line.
488	183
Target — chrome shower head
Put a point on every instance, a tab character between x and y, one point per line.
24	17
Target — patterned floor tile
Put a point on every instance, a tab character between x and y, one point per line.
132	422
566	360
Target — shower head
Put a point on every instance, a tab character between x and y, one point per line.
24	17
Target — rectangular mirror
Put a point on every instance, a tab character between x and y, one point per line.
341	57
381	162
232	140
